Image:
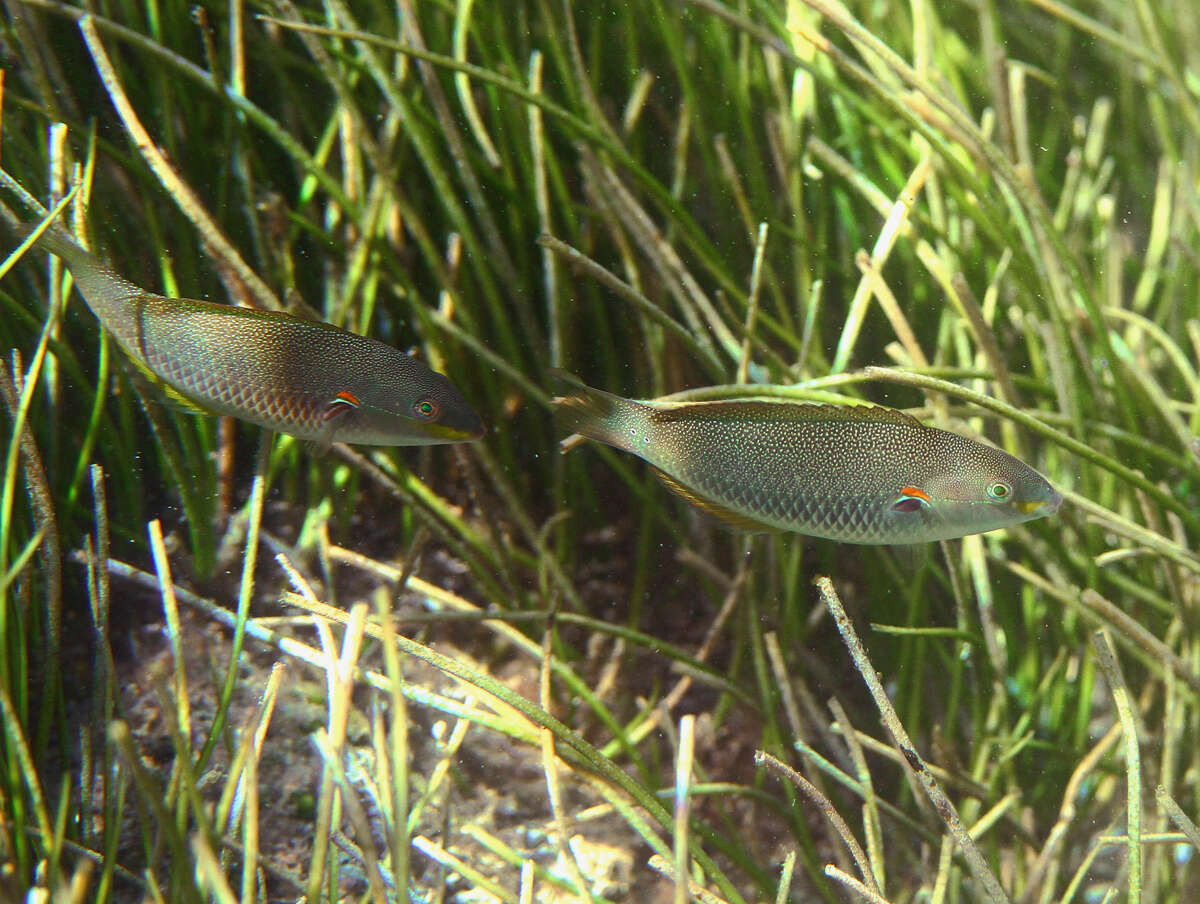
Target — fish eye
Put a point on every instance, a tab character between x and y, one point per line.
426	409
999	491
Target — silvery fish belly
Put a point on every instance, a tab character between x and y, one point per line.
853	474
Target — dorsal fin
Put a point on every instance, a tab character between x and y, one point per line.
874	414
789	410
726	514
866	414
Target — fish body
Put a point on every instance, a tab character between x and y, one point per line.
309	379
852	474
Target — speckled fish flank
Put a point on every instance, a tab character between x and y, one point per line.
312	380
853	474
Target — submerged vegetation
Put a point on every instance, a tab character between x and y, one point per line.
233	668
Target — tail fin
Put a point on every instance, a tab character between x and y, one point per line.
52	239
597	414
74	255
105	292
58	242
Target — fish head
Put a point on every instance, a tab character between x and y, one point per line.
407	404
979	489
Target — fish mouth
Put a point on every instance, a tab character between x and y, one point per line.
1038	507
456	434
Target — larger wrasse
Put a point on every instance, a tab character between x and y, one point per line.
853	474
302	377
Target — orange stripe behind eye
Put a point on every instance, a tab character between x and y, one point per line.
349	398
915	493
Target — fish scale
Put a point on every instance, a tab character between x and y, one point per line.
855	474
259	359
795	474
845	518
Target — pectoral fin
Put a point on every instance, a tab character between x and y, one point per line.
912	558
726	514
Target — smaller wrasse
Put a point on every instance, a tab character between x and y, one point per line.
852	474
309	379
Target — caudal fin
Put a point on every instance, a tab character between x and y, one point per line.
55	241
106	292
597	414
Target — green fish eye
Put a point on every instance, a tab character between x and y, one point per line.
999	491
425	409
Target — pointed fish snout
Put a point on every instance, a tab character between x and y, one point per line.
1041	507
472	425
465	425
